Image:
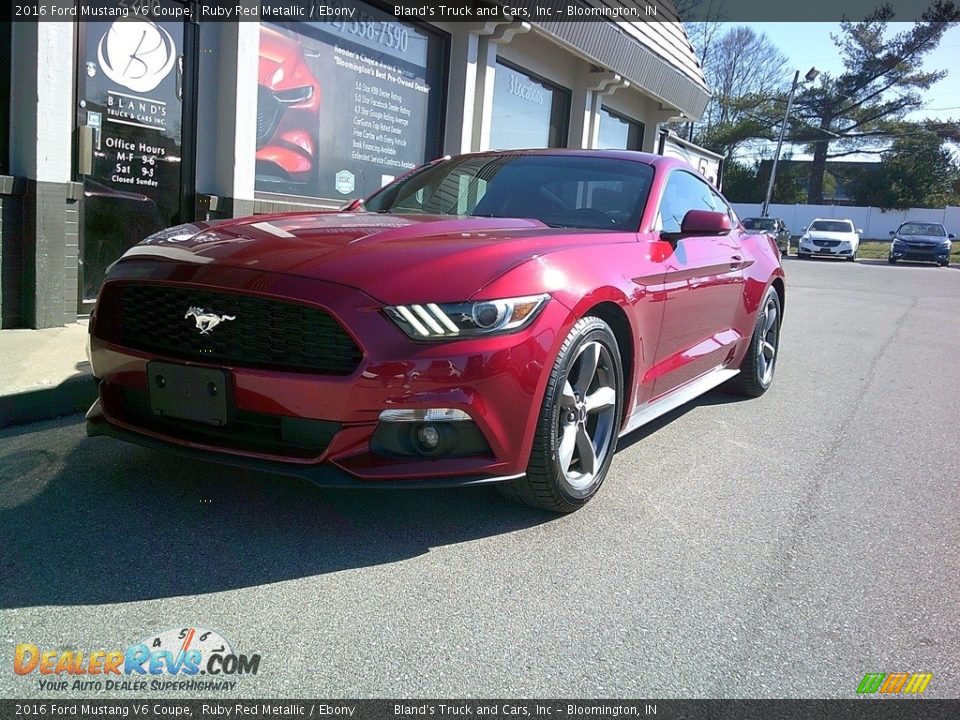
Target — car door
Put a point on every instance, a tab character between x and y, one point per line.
703	286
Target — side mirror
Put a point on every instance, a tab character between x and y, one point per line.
859	231
705	222
893	232
353	206
951	236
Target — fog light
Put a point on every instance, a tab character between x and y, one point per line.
428	415
428	437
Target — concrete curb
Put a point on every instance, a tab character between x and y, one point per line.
75	394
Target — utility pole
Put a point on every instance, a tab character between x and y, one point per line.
809	77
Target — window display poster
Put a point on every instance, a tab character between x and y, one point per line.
343	107
130	97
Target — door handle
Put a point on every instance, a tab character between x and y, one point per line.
84	150
736	262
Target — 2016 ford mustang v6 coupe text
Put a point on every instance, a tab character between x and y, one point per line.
495	317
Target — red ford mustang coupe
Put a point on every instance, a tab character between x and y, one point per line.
497	317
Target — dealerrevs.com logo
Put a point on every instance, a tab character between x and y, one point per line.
171	660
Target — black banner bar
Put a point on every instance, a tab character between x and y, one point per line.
478	10
854	709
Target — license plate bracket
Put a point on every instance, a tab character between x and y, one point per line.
185	392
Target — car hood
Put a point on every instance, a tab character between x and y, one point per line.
922	239
826	235
392	258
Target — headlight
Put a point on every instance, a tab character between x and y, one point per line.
294	96
178	233
946	244
449	321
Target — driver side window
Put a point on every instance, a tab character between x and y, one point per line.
684	192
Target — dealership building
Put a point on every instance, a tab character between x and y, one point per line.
121	126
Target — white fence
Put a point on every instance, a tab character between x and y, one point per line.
875	223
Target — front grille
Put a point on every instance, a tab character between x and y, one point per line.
247	431
269	110
826	243
264	333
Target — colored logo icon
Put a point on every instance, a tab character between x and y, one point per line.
894	683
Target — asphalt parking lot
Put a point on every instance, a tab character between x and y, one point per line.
778	547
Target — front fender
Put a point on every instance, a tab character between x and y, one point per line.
625	278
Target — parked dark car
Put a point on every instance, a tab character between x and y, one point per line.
924	241
775	226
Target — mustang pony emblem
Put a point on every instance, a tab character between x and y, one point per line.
206	321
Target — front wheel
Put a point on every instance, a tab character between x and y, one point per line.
757	368
891	259
579	421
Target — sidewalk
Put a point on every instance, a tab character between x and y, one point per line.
44	374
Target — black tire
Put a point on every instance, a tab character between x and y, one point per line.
852	258
891	259
564	485
756	376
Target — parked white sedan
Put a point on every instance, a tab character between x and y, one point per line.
830	238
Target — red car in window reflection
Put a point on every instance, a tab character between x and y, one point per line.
496	317
288	105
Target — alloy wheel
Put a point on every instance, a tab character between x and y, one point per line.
770	341
587	417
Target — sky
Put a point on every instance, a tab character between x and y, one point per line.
809	45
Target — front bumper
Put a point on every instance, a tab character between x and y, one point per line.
324	475
922	253
499	382
809	247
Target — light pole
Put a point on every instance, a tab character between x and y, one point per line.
809	77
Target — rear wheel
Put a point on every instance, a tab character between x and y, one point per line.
757	368
579	421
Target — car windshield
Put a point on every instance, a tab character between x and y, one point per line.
839	226
922	229
561	191
760	224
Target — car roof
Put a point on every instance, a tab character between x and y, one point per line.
632	155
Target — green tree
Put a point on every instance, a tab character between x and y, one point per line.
790	184
744	65
740	183
743	68
865	105
918	171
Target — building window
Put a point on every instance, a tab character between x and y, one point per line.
618	132
344	107
528	111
